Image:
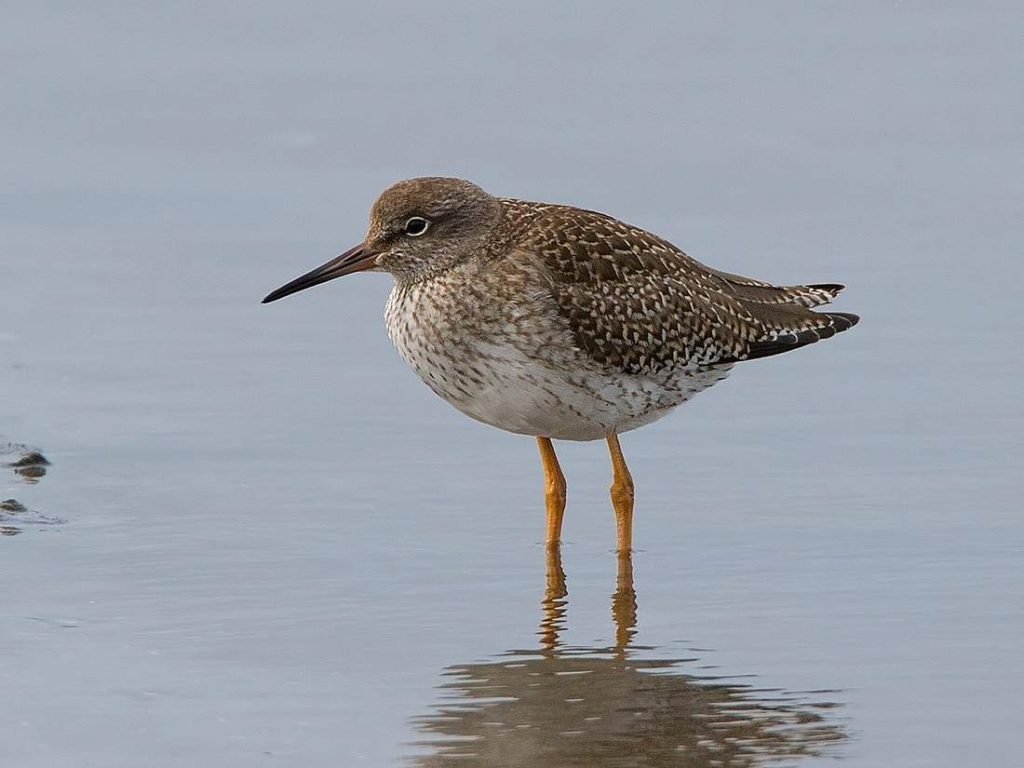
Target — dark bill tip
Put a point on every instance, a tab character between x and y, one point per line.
357	259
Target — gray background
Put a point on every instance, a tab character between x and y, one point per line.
276	540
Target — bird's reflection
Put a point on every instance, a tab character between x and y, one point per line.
560	706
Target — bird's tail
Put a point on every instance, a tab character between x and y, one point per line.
791	327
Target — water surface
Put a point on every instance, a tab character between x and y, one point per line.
261	540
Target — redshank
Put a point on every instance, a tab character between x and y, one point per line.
562	323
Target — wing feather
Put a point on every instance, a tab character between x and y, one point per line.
635	303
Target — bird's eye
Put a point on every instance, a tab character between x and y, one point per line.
416	226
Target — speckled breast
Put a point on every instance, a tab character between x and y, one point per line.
505	359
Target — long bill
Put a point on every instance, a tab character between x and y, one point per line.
356	259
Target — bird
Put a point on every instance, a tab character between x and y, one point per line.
563	323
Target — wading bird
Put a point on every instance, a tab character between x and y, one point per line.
562	323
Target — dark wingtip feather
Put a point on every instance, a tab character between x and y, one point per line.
832	289
843	320
784	342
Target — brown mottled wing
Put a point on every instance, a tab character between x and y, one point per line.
636	303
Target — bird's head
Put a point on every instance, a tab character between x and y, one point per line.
418	228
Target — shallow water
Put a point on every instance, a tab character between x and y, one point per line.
260	539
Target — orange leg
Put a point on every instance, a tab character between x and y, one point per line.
554	490
622	496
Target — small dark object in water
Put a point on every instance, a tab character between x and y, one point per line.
29	463
9	530
31	459
12	505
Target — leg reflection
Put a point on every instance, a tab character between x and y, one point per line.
554	602
624	605
613	704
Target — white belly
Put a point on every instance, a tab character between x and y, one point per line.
533	391
531	399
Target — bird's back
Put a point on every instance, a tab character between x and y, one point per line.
638	304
